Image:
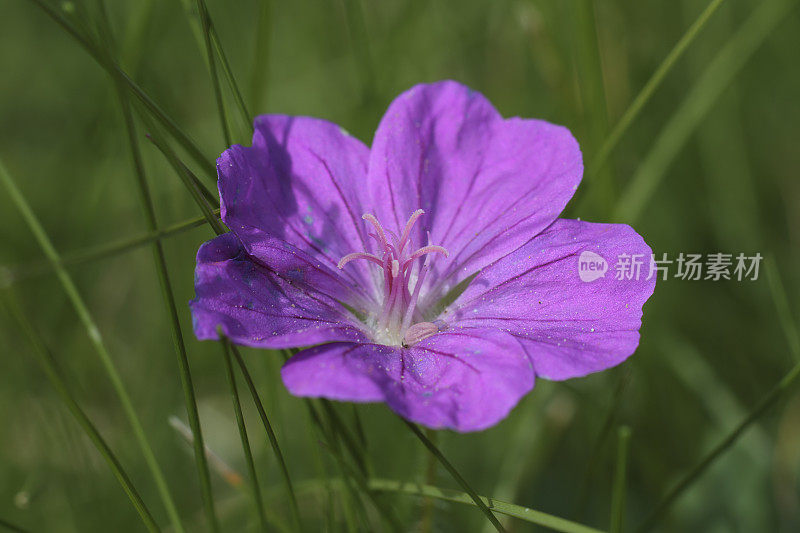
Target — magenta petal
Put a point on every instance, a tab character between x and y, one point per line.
466	381
256	306
301	181
568	327
487	184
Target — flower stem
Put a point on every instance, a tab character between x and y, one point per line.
453	472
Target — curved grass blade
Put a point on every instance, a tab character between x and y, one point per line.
770	399
99	55
205	22
719	74
94	335
172	310
651	85
51	370
453	472
227	71
11	527
190	182
526	514
248	454
273	440
618	487
111	249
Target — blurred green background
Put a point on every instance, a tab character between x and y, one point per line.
709	165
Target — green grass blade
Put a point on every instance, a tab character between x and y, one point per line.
782	306
248	454
453	472
94	335
526	514
593	95
99	55
50	367
172	310
227	71
11	527
205	21
761	407
103	251
273	440
353	446
719	74
618	487
651	85
600	442
51	370
774	394
260	71
190	181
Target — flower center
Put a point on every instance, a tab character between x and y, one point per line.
395	322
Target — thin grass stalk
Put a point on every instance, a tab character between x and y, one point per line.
618	486
327	435
98	54
248	453
106	250
189	181
227	71
260	70
168	296
205	22
96	339
728	62
11	527
526	514
652	85
770	399
454	473
50	366
273	440
599	444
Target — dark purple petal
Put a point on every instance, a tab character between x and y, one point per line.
487	184
260	307
462	380
568	327
301	181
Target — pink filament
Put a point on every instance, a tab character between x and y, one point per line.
399	303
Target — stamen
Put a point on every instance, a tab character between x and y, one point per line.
394	321
374	221
359	255
409	225
431	248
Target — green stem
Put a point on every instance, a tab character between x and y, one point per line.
720	73
650	87
761	407
116	71
273	440
11	527
248	454
618	488
96	339
205	21
172	310
453	472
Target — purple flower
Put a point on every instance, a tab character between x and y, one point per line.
358	253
